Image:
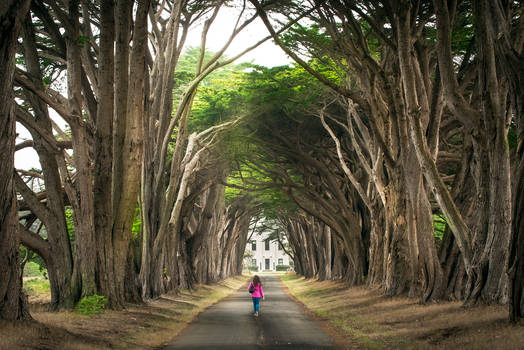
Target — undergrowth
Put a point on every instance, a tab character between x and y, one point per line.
92	305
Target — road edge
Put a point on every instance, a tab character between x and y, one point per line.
340	342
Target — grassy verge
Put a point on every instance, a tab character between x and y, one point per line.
147	326
371	320
36	287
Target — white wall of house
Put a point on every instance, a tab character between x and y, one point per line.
265	256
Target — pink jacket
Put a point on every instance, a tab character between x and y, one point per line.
259	291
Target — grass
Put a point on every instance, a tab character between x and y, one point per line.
146	326
36	287
32	269
367	319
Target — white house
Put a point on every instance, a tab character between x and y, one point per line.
265	254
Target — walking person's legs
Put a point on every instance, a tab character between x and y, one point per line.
256	305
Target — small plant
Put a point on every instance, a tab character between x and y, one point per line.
92	305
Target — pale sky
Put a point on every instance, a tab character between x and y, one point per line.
268	54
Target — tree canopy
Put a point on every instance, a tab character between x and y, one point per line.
390	153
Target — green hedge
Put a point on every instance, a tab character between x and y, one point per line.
252	268
282	267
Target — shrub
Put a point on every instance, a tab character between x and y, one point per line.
92	305
32	269
282	267
252	268
37	287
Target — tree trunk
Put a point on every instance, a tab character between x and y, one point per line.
125	193
516	252
103	161
60	268
397	266
417	116
84	283
12	300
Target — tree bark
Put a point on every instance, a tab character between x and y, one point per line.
60	261
126	179
516	251
12	301
82	200
103	161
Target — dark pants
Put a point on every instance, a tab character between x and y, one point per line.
256	304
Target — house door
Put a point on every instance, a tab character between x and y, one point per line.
267	264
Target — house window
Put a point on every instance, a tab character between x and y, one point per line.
267	244
281	261
253	262
253	245
267	264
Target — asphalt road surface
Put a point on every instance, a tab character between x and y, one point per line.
230	324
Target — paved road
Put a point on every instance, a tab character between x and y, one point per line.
230	324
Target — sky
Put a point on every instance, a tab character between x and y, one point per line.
268	54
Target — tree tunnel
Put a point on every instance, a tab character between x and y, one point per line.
389	153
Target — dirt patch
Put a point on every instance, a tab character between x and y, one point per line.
369	320
145	326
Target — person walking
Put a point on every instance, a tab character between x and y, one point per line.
257	292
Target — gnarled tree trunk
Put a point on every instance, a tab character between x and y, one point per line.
12	304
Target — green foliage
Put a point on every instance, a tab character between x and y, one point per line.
47	81
282	267
463	32
285	91
92	305
82	40
313	42
37	286
252	268
271	198
278	98
32	269
270	100
439	226
215	94
137	223
189	59
217	98
245	89
70	222
513	139
35	266
273	100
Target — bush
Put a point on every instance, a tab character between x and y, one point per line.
252	268
92	305
37	287
282	267
32	269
